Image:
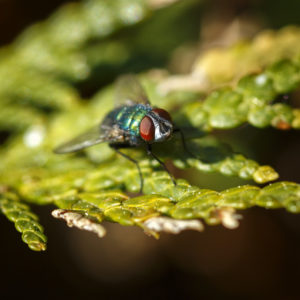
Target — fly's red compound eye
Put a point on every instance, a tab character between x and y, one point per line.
162	113
147	129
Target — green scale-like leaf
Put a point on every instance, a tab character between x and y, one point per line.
25	221
250	101
182	201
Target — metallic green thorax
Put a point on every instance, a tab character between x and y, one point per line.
129	118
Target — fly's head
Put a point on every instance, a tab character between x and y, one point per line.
156	126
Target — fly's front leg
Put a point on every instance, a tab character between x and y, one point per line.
149	152
117	149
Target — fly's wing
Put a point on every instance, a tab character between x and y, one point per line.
95	135
129	91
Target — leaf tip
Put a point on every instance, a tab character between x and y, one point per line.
37	246
265	174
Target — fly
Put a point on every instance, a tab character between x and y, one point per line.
134	122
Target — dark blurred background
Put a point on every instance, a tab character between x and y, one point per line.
259	260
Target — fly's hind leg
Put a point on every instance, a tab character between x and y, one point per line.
117	149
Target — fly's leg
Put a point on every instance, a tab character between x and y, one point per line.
134	161
184	143
149	152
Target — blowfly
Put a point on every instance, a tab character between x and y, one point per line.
132	123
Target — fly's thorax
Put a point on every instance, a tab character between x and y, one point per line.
128	118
